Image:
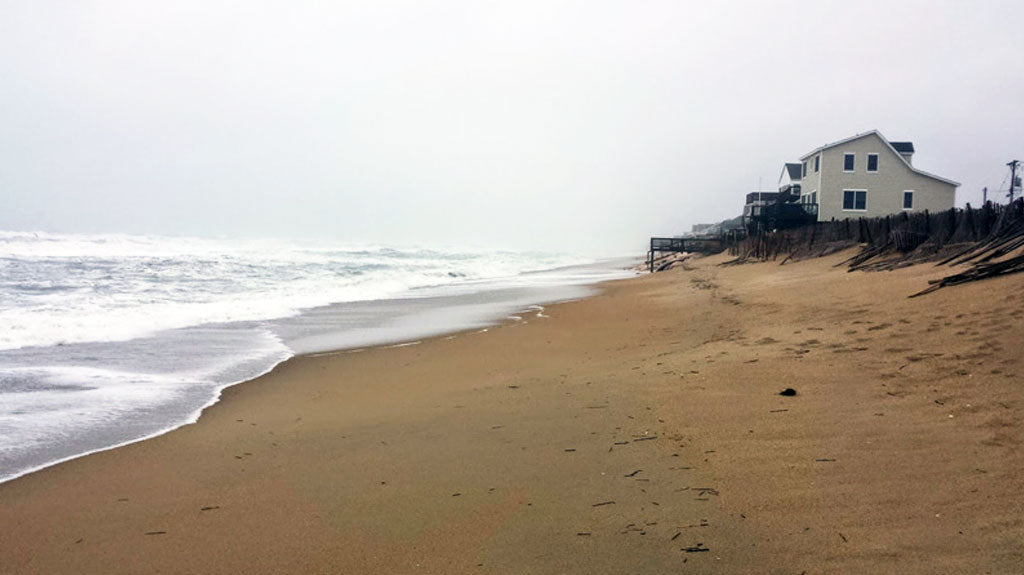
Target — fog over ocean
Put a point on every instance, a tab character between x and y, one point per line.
108	339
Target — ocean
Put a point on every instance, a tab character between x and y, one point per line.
110	339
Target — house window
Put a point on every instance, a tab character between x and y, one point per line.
803	170
848	162
872	162
814	197
908	200
855	200
817	163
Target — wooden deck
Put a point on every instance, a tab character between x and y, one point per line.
707	245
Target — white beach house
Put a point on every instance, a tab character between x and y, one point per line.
867	176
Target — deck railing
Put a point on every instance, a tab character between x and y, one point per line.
675	245
781	216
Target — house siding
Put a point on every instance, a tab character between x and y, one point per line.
884	188
812	183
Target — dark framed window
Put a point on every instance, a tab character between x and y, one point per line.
872	162
848	162
803	170
856	200
908	200
817	163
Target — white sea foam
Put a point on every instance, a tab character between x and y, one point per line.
63	400
404	344
52	412
67	429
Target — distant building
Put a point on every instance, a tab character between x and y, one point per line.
789	190
868	176
790	178
756	200
716	229
777	210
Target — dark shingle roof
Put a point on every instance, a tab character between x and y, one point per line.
903	147
794	171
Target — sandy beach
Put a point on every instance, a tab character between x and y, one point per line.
637	431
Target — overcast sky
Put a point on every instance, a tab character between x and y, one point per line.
582	126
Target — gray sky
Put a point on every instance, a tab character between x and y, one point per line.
583	126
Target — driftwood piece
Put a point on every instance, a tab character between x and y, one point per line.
978	272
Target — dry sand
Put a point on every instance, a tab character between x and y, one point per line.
608	437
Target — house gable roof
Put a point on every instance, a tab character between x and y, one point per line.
793	171
891	147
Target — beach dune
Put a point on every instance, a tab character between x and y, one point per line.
637	431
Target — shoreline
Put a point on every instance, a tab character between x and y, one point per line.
636	430
454	330
152	350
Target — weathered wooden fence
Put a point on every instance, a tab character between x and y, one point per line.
956	236
923	234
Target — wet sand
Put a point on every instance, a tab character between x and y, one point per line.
637	431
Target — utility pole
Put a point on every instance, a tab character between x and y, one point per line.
984	195
1013	177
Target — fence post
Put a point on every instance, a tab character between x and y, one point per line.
951	224
969	222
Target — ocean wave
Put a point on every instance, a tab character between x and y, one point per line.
57	289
